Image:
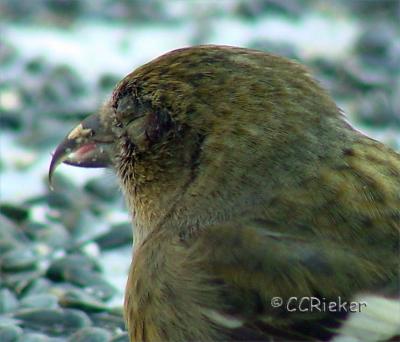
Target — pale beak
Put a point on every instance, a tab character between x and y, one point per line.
87	145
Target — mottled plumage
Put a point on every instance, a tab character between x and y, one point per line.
245	182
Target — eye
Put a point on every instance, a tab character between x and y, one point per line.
118	124
128	109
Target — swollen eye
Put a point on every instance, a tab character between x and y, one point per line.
126	107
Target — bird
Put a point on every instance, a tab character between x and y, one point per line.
251	196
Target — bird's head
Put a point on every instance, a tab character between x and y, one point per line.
208	124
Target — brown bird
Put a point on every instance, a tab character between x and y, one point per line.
245	183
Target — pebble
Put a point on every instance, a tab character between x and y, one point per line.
53	235
253	9
7	244
66	267
282	49
375	46
90	334
20	259
19	281
55	322
14	212
38	285
103	190
9	229
39	301
119	235
378	102
10	333
82	271
112	320
8	301
82	300
38	337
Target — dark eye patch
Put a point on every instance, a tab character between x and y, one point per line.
158	124
128	108
141	123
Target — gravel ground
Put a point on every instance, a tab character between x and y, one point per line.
64	254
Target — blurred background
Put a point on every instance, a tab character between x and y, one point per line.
64	254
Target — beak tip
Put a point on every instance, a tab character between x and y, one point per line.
53	165
50	181
50	178
57	157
